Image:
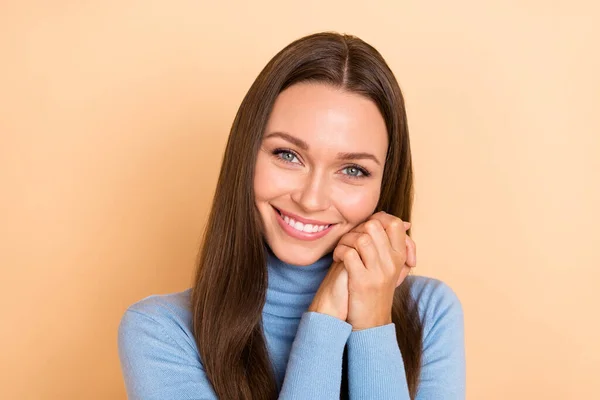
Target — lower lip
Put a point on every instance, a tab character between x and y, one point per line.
299	234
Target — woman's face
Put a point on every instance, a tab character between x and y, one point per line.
319	169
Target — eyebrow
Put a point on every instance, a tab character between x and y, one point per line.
304	146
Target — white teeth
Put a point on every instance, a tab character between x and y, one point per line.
308	228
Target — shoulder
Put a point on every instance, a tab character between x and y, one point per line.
165	306
165	317
158	354
438	304
433	295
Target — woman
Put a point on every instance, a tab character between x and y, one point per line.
302	288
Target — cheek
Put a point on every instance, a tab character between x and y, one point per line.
357	205
269	180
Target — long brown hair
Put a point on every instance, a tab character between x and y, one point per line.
231	281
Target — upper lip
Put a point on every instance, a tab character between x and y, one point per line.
298	218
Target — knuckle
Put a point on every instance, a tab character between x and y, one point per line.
338	251
396	223
372	224
364	240
349	255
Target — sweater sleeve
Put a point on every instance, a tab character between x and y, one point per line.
375	364
157	365
314	369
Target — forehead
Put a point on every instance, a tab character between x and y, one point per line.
325	116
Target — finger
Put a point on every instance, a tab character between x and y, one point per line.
353	264
395	229
411	252
386	218
360	228
363	245
339	253
349	239
367	250
382	244
373	228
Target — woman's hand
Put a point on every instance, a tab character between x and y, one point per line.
378	255
332	296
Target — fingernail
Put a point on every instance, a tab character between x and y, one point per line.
407	225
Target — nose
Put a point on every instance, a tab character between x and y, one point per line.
313	193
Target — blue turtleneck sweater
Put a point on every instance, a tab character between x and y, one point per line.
160	360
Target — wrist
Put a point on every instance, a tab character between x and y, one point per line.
372	323
327	310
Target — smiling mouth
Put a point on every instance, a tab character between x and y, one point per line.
302	226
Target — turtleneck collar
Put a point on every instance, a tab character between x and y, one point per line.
292	288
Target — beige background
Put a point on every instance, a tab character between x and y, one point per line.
113	120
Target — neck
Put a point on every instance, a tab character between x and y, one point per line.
292	288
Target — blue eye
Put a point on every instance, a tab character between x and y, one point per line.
354	171
286	155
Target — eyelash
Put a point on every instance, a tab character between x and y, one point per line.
364	172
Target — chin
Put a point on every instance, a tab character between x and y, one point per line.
296	254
